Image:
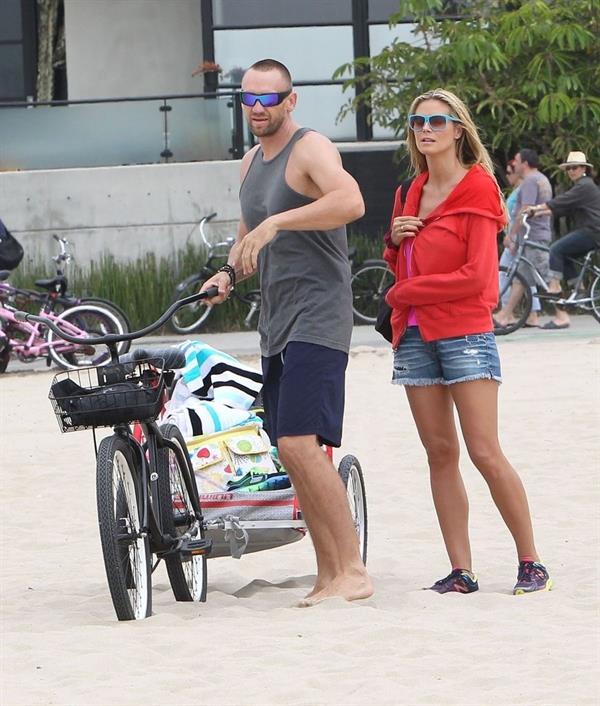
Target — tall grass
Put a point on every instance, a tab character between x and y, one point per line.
145	287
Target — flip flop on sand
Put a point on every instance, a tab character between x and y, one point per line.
551	326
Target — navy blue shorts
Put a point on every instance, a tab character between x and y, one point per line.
303	392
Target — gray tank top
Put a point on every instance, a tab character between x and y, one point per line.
304	275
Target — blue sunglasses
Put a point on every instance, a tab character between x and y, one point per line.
416	121
267	100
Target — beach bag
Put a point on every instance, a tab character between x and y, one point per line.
225	459
11	252
221	459
383	324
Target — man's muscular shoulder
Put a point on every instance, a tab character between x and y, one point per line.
247	161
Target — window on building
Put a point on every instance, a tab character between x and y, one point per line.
17	49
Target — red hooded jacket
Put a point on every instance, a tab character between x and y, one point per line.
454	260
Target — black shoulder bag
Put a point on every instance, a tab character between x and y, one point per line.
383	325
11	252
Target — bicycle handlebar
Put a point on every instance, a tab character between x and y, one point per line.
115	337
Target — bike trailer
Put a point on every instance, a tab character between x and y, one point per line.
246	498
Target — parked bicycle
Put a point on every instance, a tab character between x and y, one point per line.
584	295
190	318
29	342
370	281
56	297
136	480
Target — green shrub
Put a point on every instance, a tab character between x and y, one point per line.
144	288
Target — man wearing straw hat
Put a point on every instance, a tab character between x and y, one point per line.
582	203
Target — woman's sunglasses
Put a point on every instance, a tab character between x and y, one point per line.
267	100
417	122
573	167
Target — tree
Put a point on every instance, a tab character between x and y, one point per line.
528	69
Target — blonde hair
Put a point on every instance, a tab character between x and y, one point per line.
470	150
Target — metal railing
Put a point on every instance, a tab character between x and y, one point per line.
121	131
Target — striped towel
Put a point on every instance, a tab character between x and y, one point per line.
211	374
214	393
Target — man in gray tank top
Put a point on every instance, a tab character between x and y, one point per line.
296	200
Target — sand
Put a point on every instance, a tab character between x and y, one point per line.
248	645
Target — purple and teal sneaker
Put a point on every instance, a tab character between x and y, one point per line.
531	577
459	581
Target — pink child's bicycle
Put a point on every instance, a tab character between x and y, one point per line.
29	341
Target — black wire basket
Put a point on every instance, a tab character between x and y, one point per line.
112	394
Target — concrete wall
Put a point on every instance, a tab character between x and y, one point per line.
119	48
125	211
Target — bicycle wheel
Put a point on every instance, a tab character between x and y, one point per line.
187	578
368	286
117	312
127	556
522	310
85	318
595	297
189	318
351	474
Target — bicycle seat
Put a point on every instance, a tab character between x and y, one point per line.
56	284
173	357
4	274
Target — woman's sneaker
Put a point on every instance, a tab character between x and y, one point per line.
531	577
460	581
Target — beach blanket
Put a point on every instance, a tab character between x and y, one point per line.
214	393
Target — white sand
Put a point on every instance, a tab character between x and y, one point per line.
62	645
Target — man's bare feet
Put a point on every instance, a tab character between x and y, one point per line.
350	587
320	584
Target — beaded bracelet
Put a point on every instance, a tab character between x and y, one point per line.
230	271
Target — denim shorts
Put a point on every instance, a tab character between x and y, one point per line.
447	361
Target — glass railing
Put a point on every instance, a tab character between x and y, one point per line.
119	132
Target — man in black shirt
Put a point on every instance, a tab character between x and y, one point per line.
582	203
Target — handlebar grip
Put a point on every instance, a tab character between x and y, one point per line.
209	218
211	292
21	315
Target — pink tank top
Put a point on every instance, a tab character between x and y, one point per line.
408	246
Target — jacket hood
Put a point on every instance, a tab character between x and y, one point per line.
476	193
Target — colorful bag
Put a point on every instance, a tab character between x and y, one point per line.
229	467
228	456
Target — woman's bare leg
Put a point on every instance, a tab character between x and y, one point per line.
433	412
477	405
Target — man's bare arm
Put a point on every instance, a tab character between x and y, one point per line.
341	201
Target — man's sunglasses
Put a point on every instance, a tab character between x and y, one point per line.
267	100
416	121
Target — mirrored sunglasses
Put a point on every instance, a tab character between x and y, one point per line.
416	121
267	100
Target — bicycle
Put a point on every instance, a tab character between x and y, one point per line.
589	277
57	297
369	284
29	342
146	494
190	318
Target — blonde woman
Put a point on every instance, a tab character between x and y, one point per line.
442	249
